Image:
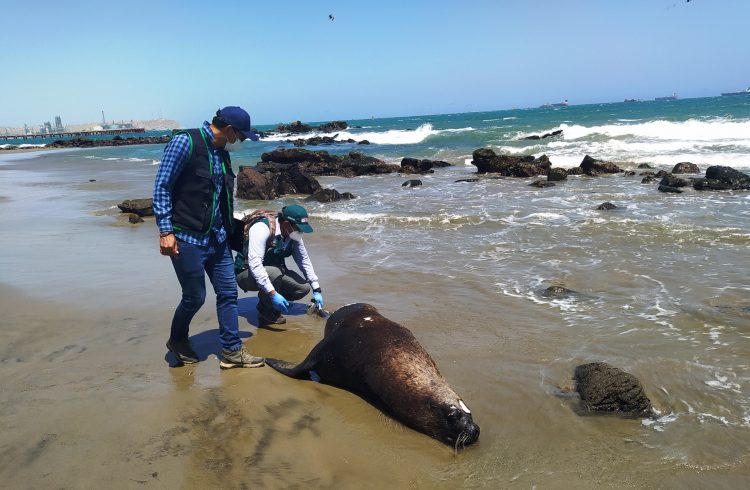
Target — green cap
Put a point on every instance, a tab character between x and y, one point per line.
297	215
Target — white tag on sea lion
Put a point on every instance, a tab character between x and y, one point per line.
463	406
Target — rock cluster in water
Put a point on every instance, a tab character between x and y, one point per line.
116	141
292	171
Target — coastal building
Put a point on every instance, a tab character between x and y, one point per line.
58	124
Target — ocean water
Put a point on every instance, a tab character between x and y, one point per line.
661	284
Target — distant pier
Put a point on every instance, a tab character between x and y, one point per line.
74	134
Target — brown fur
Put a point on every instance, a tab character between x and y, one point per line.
380	360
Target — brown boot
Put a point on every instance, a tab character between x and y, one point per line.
270	317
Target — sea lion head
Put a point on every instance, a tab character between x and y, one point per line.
450	422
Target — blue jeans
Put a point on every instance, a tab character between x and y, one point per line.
191	264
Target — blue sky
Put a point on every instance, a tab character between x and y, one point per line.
285	60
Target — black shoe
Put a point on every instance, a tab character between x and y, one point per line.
183	351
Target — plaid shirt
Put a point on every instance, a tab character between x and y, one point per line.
176	154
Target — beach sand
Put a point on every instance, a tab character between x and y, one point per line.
90	397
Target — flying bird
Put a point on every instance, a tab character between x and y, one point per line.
330	16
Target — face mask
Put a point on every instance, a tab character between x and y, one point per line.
233	146
296	235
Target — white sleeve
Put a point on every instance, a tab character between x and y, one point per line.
303	262
256	251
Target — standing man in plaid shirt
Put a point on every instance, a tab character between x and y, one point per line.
193	202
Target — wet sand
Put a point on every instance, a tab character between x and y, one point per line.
89	398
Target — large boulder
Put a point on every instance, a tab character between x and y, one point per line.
141	207
556	174
333	126
592	166
294	127
487	161
254	186
686	168
423	166
329	195
264	186
673	181
607	389
322	163
720	178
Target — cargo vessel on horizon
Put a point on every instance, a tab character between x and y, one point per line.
739	92
564	103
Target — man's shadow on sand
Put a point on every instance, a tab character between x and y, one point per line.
207	342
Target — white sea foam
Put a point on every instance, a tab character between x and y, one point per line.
707	142
350	216
390	137
24	145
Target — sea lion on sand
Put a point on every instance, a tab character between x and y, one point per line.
378	359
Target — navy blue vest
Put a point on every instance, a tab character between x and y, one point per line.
193	194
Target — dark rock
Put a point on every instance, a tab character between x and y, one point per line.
661	173
686	168
648	179
645	165
317	141
294	127
670	180
116	141
592	166
574	171
545	135
647	173
333	126
134	218
487	161
719	178
606	206
467	180
607	389
628	173
255	186
416	166
542	184
329	195
92	180
364	142
556	174
558	292
668	189
412	183
141	207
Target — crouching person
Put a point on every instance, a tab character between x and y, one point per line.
261	264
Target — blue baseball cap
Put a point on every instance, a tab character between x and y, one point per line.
239	119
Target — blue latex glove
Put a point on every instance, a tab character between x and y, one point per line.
318	300
280	302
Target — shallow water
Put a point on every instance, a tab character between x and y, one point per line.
661	292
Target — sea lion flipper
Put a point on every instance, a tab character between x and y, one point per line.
297	371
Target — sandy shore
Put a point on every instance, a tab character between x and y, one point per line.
10	151
90	397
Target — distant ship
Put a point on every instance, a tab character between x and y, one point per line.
741	92
564	103
668	97
630	100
